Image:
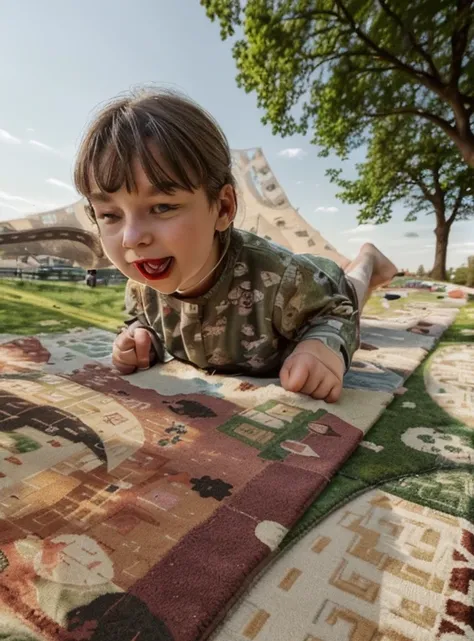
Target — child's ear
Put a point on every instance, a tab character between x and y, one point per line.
227	204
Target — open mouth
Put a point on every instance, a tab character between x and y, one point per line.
155	268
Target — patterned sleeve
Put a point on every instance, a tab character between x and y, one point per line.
134	303
315	302
135	308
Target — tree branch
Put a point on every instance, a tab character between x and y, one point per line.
422	76
456	206
418	181
321	32
338	56
459	41
413	111
411	36
371	69
438	189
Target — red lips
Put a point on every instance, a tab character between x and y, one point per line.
155	268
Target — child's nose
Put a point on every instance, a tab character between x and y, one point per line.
135	235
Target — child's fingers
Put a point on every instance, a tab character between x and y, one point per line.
124	357
124	341
142	347
325	386
293	375
123	368
335	393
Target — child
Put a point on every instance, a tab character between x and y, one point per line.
156	171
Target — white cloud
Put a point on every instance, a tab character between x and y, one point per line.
42	145
5	136
299	182
18	199
292	152
6	205
60	183
30	129
361	229
23	205
330	210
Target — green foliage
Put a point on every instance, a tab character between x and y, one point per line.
460	275
464	275
421	271
338	66
470	272
414	164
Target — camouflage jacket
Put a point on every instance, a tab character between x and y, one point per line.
265	300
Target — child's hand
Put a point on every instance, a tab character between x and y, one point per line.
132	352
313	369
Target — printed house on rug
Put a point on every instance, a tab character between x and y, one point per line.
111	491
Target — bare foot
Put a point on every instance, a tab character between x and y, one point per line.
383	270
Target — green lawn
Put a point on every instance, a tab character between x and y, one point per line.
464	321
26	304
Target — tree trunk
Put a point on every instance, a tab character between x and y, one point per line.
466	147
462	134
442	235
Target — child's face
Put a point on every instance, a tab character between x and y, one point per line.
165	242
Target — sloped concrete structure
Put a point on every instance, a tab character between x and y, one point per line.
263	209
64	233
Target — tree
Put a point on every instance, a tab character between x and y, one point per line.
418	166
339	66
460	275
420	272
470	272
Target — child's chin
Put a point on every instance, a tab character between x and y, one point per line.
162	287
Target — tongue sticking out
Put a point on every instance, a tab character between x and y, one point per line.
156	266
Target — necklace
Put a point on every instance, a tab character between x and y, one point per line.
182	292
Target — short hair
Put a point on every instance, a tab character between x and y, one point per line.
193	150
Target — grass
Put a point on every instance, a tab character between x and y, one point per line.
27	304
464	320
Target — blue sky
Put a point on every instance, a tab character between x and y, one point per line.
59	59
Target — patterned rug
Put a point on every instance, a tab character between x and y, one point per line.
386	553
140	508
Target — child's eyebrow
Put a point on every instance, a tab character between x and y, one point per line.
166	188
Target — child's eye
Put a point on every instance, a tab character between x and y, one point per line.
108	217
163	208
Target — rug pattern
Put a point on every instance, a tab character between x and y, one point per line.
139	508
386	553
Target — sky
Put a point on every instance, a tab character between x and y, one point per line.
61	59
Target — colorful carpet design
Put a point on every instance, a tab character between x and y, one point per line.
139	508
386	553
